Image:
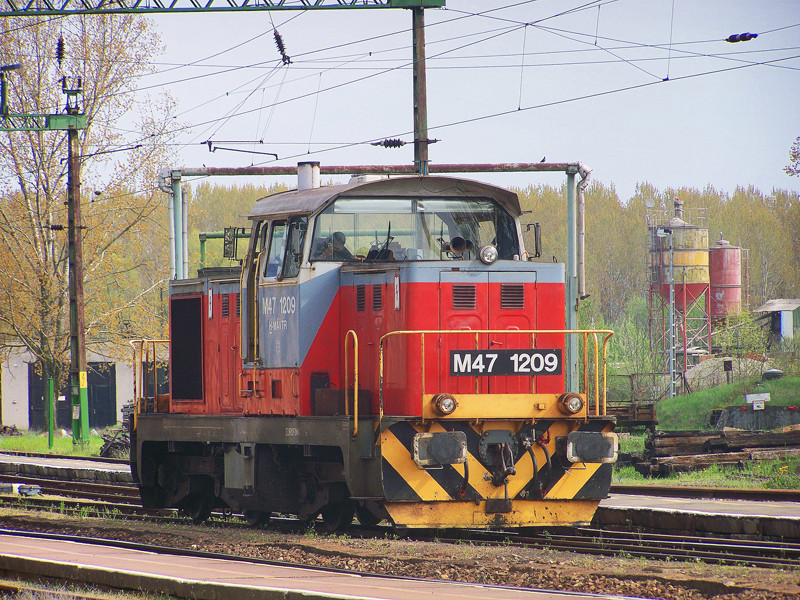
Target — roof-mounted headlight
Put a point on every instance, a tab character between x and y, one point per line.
487	254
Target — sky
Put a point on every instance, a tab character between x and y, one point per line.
639	92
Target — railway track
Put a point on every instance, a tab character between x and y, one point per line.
673	491
713	550
597	542
122	501
78	489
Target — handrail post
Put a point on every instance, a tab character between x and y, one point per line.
155	376
597	375
605	355
351	334
380	384
586	364
422	358
145	389
477	347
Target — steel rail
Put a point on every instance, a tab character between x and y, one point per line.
650	546
77	489
709	550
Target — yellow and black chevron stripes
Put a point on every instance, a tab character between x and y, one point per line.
404	481
525	513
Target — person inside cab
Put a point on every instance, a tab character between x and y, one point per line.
333	248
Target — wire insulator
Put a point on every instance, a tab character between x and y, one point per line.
741	37
281	47
60	50
390	143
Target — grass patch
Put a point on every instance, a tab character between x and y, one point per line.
37	442
768	475
689	412
631	442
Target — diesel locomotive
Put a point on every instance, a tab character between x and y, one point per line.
387	349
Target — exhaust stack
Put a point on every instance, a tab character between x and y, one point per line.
307	175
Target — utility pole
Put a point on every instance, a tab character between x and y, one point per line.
420	92
77	327
71	122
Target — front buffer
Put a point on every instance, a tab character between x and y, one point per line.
511	473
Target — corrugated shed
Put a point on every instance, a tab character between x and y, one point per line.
779	305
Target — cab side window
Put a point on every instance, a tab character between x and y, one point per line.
294	246
277	247
284	253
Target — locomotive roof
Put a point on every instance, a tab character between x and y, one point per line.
296	202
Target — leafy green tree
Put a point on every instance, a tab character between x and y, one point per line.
122	223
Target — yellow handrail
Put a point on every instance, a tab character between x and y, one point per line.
141	353
600	400
351	334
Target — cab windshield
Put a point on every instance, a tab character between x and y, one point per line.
412	229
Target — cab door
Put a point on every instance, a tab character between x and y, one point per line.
248	308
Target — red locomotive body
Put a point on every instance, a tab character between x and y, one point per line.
384	349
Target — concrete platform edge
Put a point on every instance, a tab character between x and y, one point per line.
785	529
67	473
28	568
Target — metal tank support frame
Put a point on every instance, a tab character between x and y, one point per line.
169	182
679	293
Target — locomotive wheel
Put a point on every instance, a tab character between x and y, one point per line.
255	518
338	516
366	517
199	507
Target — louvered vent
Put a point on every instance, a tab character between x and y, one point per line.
464	297
238	305
377	297
361	297
226	308
512	295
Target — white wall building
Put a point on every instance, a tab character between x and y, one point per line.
22	392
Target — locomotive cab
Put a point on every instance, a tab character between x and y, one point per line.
385	349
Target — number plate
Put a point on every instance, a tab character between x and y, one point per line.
505	362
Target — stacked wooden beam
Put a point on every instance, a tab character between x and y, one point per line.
116	444
680	451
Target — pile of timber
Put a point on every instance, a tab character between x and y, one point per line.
116	444
681	451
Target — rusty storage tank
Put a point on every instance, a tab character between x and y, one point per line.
690	249
725	275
